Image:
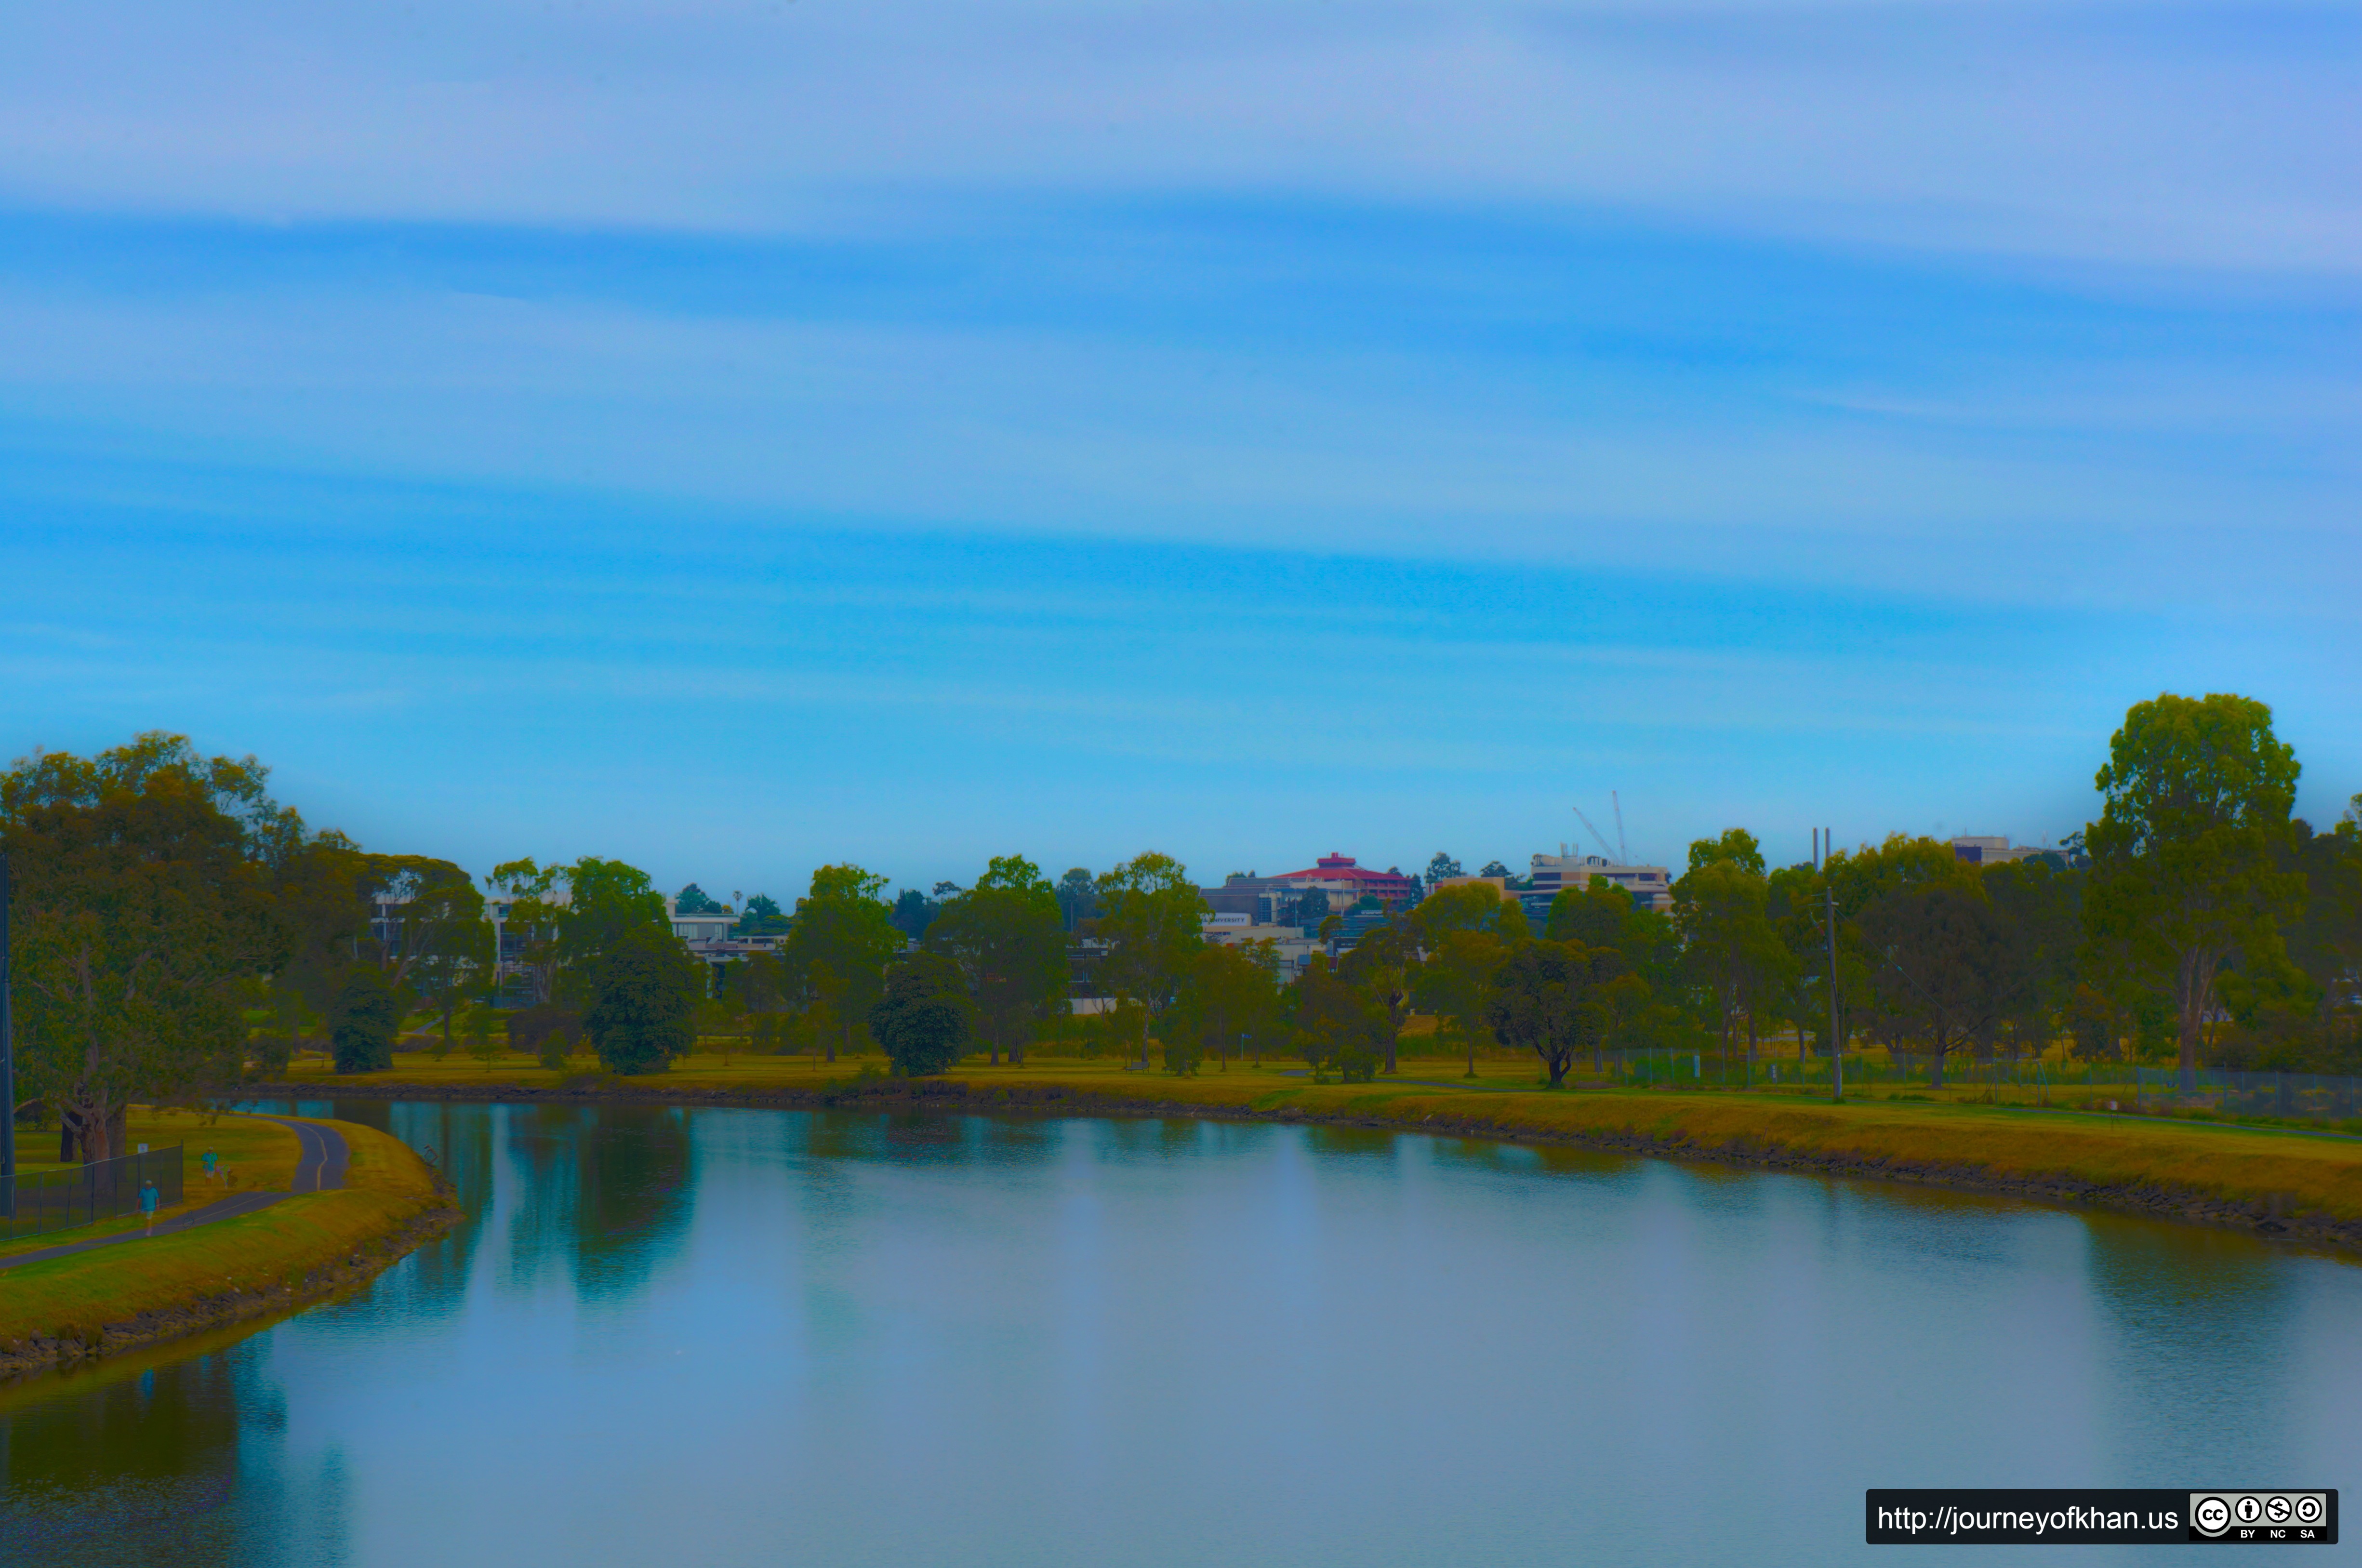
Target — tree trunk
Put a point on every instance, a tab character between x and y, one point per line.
1935	1079
2189	1031
99	1133
1472	1051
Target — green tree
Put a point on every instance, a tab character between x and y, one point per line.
1337	1027
1462	934
564	916
1455	981
435	946
643	989
534	895
914	912
143	917
607	901
1440	867
1736	846
1384	964
694	900
837	953
366	1016
1472	906
1228	993
923	1020
761	917
2039	906
481	1024
1733	955
1078	898
1594	916
2196	798
1552	999
1942	951
1151	918
317	894
1006	936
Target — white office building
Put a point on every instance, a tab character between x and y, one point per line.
1651	887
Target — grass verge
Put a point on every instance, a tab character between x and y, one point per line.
138	1291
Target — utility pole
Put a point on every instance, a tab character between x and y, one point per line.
7	1057
1829	914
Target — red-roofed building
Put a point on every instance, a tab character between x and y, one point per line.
1348	884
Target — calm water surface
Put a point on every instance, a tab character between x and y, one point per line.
697	1337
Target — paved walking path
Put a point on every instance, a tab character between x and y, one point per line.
320	1167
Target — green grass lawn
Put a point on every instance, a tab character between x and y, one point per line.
73	1296
256	1156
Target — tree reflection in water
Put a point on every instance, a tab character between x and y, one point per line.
609	1191
125	1465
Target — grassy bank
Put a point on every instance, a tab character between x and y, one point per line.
257	1155
143	1290
2280	1182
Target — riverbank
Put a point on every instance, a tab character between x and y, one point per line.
2279	1185
303	1248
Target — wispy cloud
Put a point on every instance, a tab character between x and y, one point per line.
2184	134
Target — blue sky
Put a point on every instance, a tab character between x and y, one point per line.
735	436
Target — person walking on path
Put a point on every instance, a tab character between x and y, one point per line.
209	1159
147	1204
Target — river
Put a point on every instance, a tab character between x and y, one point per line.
698	1337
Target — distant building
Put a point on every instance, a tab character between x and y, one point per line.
1651	887
1249	896
1341	881
1292	944
1979	851
707	936
1347	883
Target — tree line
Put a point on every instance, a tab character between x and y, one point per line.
176	930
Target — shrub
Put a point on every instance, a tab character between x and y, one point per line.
924	1021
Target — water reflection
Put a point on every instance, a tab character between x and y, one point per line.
144	1457
733	1336
609	1191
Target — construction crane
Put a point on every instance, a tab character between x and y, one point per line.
1602	837
1623	856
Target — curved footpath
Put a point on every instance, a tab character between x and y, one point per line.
319	1167
359	1201
2281	1185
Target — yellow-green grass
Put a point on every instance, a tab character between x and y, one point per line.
257	1155
2001	1144
73	1297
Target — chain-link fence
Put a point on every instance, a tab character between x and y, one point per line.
33	1203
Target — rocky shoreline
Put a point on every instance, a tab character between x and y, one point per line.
2263	1216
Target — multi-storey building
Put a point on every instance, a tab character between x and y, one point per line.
1981	851
1651	887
